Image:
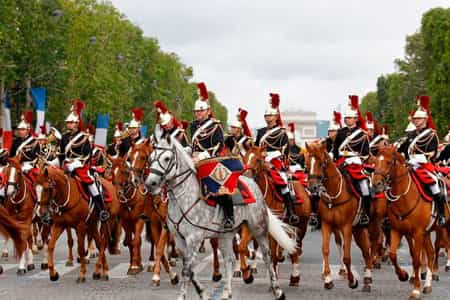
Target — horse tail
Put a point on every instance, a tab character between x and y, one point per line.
282	233
14	230
148	232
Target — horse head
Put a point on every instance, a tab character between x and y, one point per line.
14	174
254	160
139	158
317	161
45	187
120	170
386	164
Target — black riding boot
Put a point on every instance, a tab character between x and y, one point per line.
440	209
314	219
365	219
103	214
228	211
290	212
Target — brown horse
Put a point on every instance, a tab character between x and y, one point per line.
63	205
154	208
338	209
410	215
20	203
258	170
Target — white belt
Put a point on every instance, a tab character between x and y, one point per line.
418	158
356	160
295	168
272	154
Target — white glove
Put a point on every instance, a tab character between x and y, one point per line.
203	155
54	162
26	167
74	165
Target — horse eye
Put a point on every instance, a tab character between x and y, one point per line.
166	159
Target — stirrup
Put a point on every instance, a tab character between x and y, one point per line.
293	219
228	224
103	215
364	220
441	221
313	220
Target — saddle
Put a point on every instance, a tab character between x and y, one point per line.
422	179
294	186
107	197
352	174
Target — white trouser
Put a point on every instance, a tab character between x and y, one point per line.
93	189
2	192
364	186
415	161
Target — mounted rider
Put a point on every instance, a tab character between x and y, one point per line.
350	149
113	148
25	145
4	154
373	129
420	148
74	156
169	125
382	139
335	125
239	141
132	135
444	155
274	139
208	142
296	158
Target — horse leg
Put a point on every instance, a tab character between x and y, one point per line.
189	253
226	244
326	271
417	251
247	275
430	275
160	246
104	241
347	232
93	232
163	242
395	238
338	240
55	232
217	276
136	260
295	258
5	249
362	240
236	242
81	236
374	236
29	252
69	262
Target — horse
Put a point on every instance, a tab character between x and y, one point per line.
338	209
192	220
410	215
20	203
12	229
64	206
257	169
154	208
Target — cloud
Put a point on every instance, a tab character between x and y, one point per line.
314	53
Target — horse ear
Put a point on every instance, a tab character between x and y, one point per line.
307	147
148	142
46	172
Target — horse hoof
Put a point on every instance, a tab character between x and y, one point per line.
367	288
156	282
423	275
175	280
252	255
254	270
294	281
249	279
105	277
173	262
377	266
435	277
96	276
342	273
132	271
202	249
282	297
414	296
328	285
54	277
31	267
404	277
5	255
354	285
21	272
150	268
447	268
81	279
217	277
69	263
237	274
1	270
368	280
427	290
282	259
411	280
44	266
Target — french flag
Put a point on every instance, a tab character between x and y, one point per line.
144	130
101	131
7	127
39	97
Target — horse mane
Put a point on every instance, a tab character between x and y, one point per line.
180	152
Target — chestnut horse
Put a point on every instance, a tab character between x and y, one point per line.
338	209
410	215
154	208
63	205
255	161
20	203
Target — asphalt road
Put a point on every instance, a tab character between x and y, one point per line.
36	284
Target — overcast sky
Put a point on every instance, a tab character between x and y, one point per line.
313	53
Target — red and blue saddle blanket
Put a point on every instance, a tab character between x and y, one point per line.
352	174
219	175
242	196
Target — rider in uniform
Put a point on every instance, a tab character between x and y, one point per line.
24	144
333	128
274	139
74	155
382	139
133	132
169	125
372	126
207	142
351	147
296	157
421	149
113	148
444	154
240	138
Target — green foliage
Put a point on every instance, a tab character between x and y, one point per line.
423	70
87	49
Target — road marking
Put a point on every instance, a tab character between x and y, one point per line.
119	271
60	268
